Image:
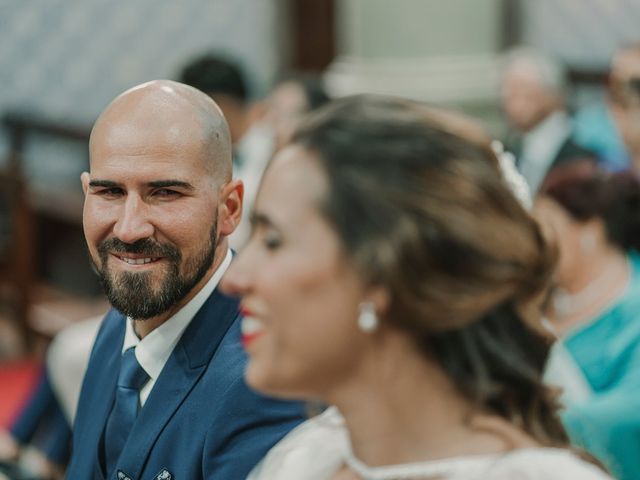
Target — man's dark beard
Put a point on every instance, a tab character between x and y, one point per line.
132	294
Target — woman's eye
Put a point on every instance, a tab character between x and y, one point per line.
271	241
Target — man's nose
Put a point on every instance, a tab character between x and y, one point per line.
133	223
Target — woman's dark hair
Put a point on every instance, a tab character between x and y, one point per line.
416	196
586	191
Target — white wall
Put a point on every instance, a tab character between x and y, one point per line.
417	28
68	58
583	33
443	51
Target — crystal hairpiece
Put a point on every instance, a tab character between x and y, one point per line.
514	180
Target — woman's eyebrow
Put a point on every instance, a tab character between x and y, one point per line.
260	219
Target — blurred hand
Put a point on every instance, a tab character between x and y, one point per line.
9	448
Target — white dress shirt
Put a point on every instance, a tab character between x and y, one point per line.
540	147
153	351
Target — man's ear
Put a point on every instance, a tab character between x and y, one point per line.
230	207
85	178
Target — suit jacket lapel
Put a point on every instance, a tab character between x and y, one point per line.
100	391
187	362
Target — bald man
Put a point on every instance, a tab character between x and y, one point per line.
164	395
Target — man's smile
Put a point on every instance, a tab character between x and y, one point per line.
135	259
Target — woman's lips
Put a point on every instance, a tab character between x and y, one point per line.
251	328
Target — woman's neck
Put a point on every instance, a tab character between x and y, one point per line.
600	282
599	262
405	409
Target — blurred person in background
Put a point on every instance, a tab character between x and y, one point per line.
603	127
533	101
392	273
291	98
282	110
67	359
628	112
595	309
38	443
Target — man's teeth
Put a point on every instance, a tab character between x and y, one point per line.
250	326
137	261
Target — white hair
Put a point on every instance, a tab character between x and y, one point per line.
551	73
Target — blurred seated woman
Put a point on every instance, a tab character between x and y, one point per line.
595	309
392	274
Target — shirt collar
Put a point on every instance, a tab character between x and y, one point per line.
552	130
154	350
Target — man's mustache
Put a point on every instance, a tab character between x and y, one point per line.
144	246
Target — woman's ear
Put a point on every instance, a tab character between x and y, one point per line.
380	297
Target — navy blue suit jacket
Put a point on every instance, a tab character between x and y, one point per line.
200	420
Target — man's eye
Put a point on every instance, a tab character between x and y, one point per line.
165	193
110	192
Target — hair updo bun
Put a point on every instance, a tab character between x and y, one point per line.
417	199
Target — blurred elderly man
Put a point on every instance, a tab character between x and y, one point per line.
533	101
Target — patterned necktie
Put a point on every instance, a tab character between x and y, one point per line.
132	377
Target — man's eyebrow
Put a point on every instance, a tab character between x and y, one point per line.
154	184
103	183
171	183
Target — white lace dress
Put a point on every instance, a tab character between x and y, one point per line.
317	449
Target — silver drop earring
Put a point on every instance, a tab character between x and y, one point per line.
368	318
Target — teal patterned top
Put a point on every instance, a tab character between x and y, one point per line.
607	350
